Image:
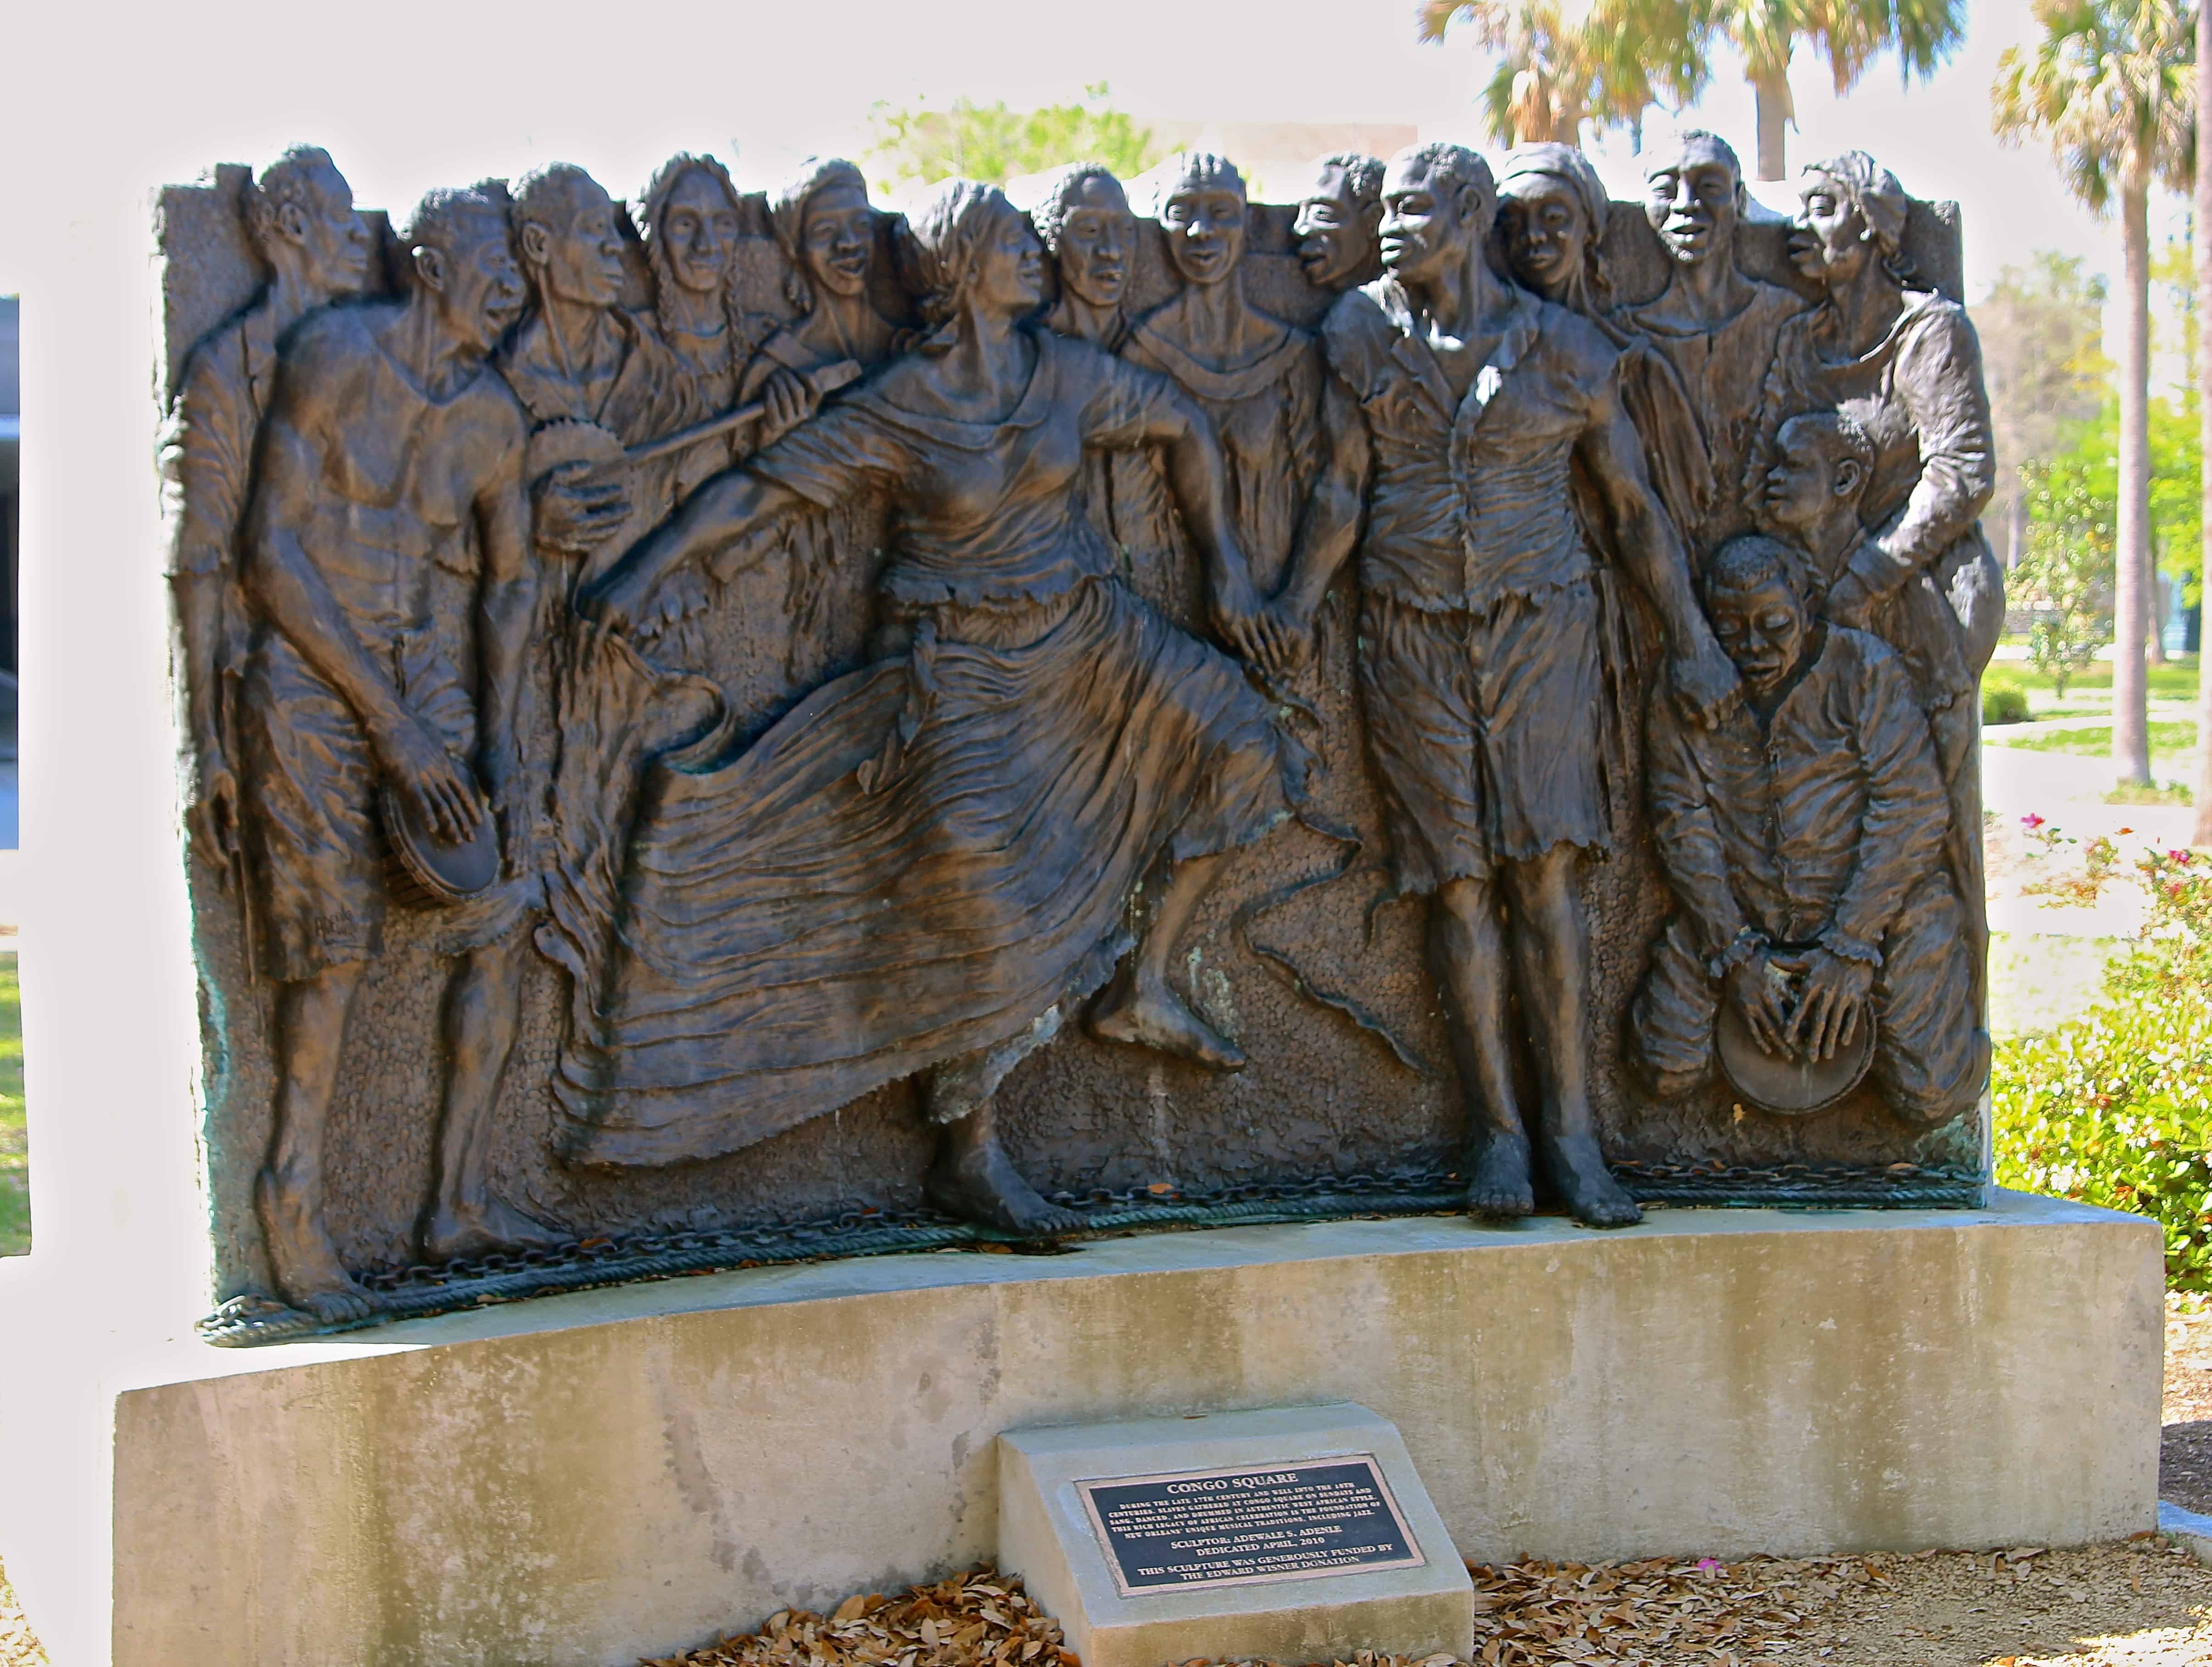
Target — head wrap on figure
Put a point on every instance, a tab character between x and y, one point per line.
1565	165
1880	202
787	218
937	245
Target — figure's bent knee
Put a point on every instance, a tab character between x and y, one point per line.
1914	1097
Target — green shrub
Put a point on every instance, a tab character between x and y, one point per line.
2111	1108
2003	702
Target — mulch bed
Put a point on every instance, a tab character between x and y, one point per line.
2185	1459
2131	1605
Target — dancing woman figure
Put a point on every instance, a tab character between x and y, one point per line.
923	866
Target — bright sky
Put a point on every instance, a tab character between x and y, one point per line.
411	95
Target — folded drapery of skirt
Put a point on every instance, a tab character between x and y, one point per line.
914	865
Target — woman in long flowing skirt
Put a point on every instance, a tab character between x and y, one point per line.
927	865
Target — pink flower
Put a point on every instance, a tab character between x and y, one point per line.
1707	1564
2031	821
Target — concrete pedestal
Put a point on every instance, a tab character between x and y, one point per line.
586	1479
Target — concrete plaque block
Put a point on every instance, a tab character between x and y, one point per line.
1292	1534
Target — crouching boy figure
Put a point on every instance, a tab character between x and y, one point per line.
1805	833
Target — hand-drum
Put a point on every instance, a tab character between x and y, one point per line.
428	870
1787	1084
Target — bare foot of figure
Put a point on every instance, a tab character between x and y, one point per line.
1145	1013
308	1269
486	1226
974	1179
1500	1185
1592	1197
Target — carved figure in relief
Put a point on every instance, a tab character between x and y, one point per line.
1457	406
1258	378
1801	836
1087	228
1904	364
1337	220
690	220
300	216
1823	464
1715	326
1552	213
826	230
388	452
1084	222
926	864
580	358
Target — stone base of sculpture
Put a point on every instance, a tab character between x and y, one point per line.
597	1476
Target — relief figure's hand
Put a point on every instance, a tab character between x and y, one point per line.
1705	684
436	786
214	816
616	598
791	399
1831	1004
1240	619
1849	604
1290	628
575	511
1755	988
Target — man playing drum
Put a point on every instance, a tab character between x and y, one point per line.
389	452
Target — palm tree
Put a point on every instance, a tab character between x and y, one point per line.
2112	90
2203	836
1850	34
1564	62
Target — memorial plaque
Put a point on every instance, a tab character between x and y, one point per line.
1244	1526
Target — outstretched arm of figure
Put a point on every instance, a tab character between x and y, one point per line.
1329	527
1704	681
293	595
730	522
507	605
1199	482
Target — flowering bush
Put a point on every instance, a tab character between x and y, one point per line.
2111	1108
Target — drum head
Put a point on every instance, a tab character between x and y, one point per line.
442	873
1786	1084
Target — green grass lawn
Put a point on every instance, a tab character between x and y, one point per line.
2175	680
2093	741
15	1153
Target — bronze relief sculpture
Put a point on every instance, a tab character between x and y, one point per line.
742	725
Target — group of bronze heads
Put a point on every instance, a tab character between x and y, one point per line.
1009	813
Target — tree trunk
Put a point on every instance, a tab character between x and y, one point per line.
2132	591
1772	94
2203	836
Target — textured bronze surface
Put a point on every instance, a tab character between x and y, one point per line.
1134	706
